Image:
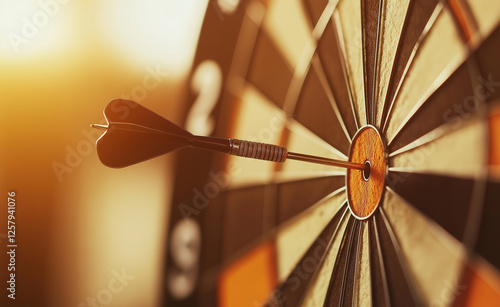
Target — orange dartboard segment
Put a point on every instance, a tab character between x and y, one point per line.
250	280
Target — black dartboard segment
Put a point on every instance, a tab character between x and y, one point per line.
490	227
316	113
439	192
292	200
330	56
268	70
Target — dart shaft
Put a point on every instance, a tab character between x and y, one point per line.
326	161
277	153
257	150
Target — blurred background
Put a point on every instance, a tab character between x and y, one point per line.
85	231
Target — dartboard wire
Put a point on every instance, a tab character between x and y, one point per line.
369	261
391	76
329	246
438	233
414	289
440	79
304	63
478	193
385	285
295	126
344	245
245	44
310	208
318	67
363	51
477	199
376	68
435	134
451	68
339	37
211	275
430	137
370	103
357	261
345	274
303	66
435	14
295	176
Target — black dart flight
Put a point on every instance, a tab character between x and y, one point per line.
134	134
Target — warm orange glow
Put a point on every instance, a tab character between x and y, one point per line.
154	32
250	280
82	223
483	287
495	138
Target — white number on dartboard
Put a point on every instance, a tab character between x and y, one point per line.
207	82
185	246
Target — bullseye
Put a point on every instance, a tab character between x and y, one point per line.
365	188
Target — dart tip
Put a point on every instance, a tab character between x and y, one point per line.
97	126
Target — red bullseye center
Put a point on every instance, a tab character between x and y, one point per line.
365	188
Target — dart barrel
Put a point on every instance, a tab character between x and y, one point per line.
257	150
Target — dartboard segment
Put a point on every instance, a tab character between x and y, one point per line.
485	15
291	200
380	288
451	103
314	9
435	259
287	25
394	14
371	18
432	156
486	56
401	286
268	69
439	190
307	255
316	113
489	226
333	67
419	18
243	223
317	291
363	278
258	119
341	287
428	70
347	20
301	139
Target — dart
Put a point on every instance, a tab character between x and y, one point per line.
135	134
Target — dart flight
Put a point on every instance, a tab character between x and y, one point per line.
135	134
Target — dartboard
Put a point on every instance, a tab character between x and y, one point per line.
409	88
